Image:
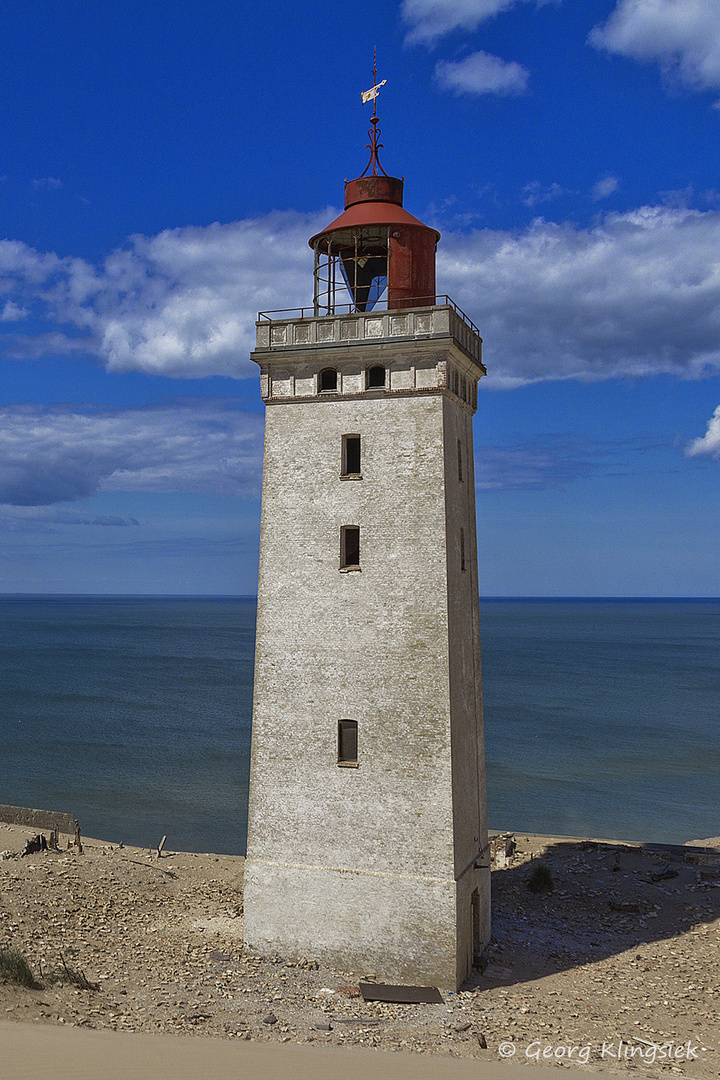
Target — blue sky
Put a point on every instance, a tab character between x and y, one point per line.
161	168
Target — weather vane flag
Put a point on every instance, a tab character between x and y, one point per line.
370	95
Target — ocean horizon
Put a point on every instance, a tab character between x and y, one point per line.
133	712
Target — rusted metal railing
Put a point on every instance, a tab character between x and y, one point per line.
411	302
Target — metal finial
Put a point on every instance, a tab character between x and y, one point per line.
374	132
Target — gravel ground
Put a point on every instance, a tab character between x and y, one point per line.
616	967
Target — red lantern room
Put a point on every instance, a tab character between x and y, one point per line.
375	252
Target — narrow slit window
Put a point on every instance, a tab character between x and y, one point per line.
376	377
351	455
460	468
462	550
476	938
349	546
347	742
328	379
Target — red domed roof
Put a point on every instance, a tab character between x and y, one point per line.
373	213
373	200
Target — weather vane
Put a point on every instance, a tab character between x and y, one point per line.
374	132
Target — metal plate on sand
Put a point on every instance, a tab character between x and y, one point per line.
405	995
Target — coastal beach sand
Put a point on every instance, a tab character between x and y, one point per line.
63	1054
617	967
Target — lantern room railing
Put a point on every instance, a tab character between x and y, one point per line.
441	300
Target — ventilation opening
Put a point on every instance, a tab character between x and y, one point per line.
349	546
462	550
347	742
376	377
328	379
477	943
351	455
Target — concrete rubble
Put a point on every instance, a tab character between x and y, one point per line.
623	951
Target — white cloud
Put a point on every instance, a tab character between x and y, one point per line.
534	193
53	455
182	303
549	462
606	186
46	518
432	19
710	441
481	73
529	467
185	302
47	183
683	36
54	343
636	295
12	313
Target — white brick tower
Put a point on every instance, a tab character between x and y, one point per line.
367	833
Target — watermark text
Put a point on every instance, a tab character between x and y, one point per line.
618	1049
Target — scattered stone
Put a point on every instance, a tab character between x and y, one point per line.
494	971
631	907
270	1018
665	874
35	844
166	951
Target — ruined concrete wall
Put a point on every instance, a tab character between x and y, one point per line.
38	819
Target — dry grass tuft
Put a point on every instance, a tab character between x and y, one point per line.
14	968
541	879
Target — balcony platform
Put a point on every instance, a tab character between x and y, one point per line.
300	329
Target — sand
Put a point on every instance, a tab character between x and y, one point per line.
616	968
62	1054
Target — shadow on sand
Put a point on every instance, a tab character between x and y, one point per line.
606	899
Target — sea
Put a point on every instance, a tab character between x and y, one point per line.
602	716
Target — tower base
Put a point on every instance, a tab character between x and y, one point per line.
358	921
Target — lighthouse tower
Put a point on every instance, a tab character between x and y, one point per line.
367	834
